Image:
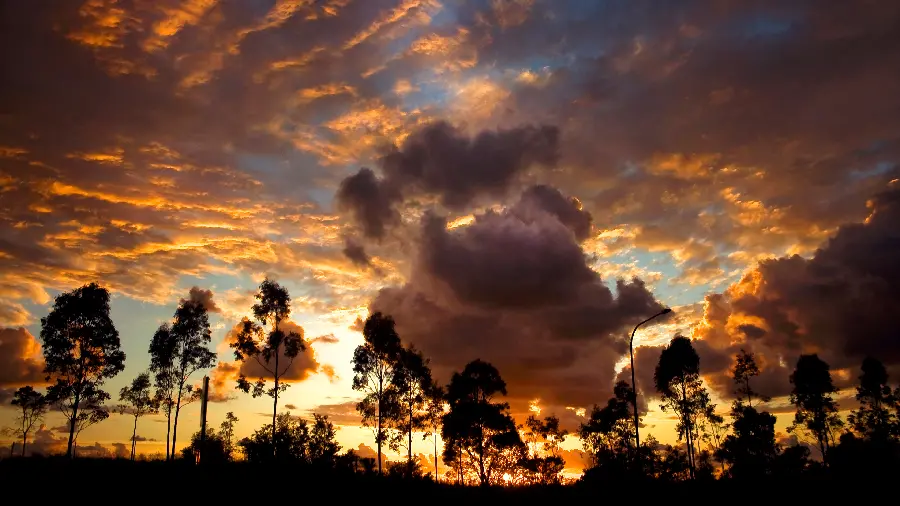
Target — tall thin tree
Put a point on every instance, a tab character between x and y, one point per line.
162	364
137	403
433	419
268	344
817	411
411	381
876	417
677	379
32	406
744	370
373	368
192	336
81	351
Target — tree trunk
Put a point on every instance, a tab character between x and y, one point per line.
69	452
134	438
436	477
409	449
168	429
275	405
175	427
24	440
378	423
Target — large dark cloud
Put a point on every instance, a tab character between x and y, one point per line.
841	304
514	289
704	119
444	162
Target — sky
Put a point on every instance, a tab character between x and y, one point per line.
519	181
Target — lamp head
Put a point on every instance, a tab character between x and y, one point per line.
666	311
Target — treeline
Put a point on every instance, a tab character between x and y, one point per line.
482	444
82	350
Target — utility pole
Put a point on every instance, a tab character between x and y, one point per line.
203	400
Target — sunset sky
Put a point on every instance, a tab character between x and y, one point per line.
735	160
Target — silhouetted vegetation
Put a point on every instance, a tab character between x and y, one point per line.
32	407
483	445
81	351
266	342
138	403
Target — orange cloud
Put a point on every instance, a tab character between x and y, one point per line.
21	362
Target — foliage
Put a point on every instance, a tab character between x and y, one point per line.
227	432
32	406
81	351
677	379
138	403
162	350
433	418
744	370
192	336
480	435
751	450
374	362
608	435
410	382
210	451
816	410
295	441
876	418
544	464
268	347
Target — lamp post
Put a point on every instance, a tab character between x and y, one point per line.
637	437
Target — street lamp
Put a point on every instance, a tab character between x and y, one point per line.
637	437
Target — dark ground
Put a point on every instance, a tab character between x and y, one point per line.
90	480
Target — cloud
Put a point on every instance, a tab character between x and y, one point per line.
6	395
205	298
301	367
343	413
325	339
13	314
440	160
356	253
21	362
290	406
222	382
839	304
514	289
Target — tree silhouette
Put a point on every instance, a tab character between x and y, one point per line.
374	362
876	418
677	379
816	409
32	406
479	429
744	370
296	441
81	350
138	403
751	450
91	411
267	348
410	382
212	449
227	432
191	335
433	419
608	434
544	437
163	347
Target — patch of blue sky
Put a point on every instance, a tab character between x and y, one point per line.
759	27
878	169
